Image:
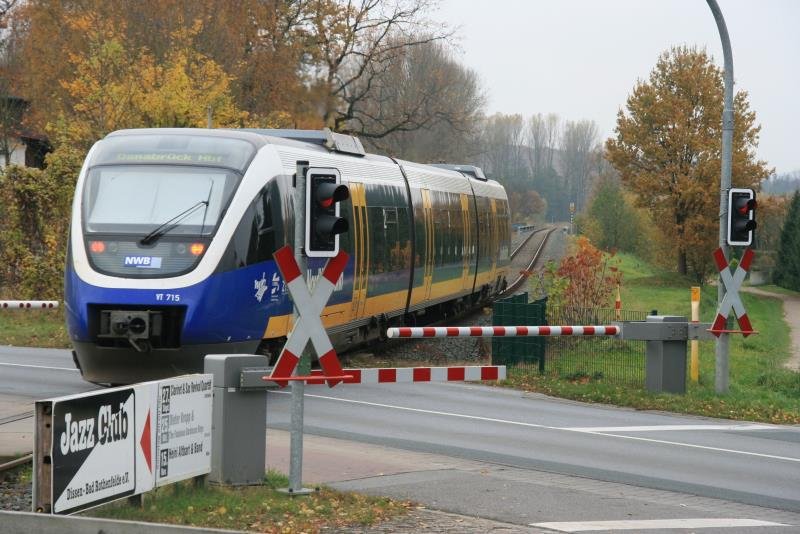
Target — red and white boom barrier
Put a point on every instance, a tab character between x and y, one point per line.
28	304
502	331
392	375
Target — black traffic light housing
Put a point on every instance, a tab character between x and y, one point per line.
741	216
323	224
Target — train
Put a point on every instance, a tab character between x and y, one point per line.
173	231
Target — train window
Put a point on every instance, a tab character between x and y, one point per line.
266	208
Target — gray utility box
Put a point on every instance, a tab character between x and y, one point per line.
239	438
666	336
666	357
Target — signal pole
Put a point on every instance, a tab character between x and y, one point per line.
298	386
721	368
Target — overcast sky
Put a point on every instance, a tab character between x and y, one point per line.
581	58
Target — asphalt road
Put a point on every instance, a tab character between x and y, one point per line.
741	462
526	459
33	373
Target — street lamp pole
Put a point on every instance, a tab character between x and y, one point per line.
721	373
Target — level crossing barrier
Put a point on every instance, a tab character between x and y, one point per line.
501	331
666	337
240	403
28	304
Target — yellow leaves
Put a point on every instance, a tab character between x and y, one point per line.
667	150
115	87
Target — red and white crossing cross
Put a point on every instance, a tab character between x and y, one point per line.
309	324
732	284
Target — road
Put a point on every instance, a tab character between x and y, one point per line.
751	463
525	458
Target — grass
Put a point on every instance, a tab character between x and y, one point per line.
254	508
772	288
33	328
760	389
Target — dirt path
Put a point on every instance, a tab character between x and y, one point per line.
791	312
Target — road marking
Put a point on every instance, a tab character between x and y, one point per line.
661	428
39	367
646	524
545	427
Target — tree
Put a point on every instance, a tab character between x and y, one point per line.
527	206
355	44
578	149
441	102
113	86
12	108
612	222
667	150
541	136
787	269
502	148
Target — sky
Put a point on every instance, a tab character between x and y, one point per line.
581	58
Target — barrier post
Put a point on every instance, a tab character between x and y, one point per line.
665	369
239	421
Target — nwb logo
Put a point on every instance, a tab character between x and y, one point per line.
144	262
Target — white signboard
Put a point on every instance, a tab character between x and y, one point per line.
184	428
94	449
119	442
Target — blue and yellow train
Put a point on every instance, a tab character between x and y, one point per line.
173	231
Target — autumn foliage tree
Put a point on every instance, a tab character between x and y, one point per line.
259	63
667	150
583	280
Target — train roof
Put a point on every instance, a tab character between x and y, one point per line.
324	141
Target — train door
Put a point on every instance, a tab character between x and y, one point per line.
466	243
429	245
360	248
494	236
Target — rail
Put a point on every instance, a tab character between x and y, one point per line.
23	459
523	275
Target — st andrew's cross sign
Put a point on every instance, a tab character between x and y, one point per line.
732	283
309	325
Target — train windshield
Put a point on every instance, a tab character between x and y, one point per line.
142	199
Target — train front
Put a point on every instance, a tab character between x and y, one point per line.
146	294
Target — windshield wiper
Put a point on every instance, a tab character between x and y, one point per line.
165	227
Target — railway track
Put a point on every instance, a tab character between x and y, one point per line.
526	256
22	459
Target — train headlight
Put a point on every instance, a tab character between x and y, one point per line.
98	247
197	248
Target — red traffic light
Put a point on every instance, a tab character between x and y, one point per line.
741	216
323	222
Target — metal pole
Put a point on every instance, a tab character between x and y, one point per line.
298	387
721	373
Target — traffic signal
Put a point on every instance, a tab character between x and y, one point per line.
324	191
741	216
